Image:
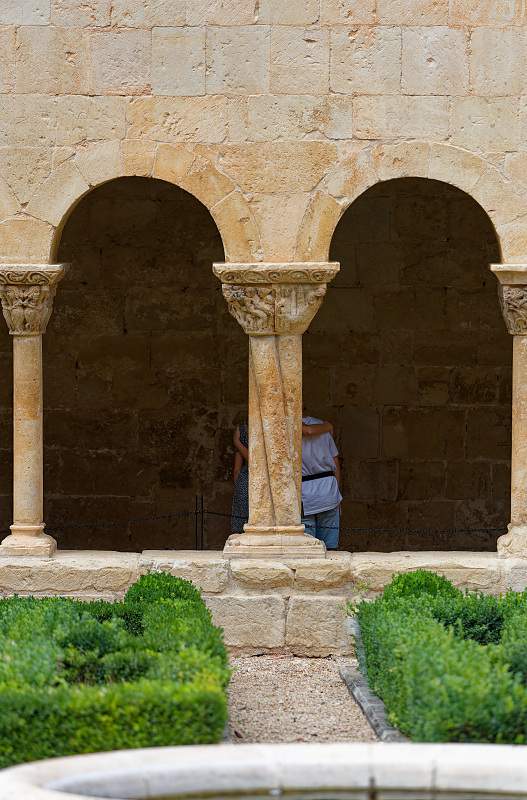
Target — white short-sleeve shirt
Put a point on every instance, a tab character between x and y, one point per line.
318	454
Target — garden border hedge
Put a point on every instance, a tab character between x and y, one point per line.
450	667
80	677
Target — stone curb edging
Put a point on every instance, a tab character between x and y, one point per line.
370	704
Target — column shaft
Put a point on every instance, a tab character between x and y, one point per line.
27	293
28	509
519	433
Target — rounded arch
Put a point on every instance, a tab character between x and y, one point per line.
367	166
186	167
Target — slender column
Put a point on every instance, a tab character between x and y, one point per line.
27	293
274	303
513	297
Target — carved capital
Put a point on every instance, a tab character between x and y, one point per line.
26	293
269	299
513	296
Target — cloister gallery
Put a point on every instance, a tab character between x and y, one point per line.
228	211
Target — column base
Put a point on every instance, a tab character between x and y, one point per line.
274	543
28	540
514	542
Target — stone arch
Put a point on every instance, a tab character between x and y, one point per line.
189	168
477	177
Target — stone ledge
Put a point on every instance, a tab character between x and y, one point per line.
207	569
485	572
83	574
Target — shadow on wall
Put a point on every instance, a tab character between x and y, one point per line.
145	372
409	357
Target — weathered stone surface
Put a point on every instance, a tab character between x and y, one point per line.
68	13
207	570
294	12
178	61
121	62
316	626
496	59
261	574
25	12
163	119
412	12
299	60
481	123
100	162
386	117
252	624
58	193
475	571
434	61
147	13
25	240
464	12
365	60
277	167
51	60
68	573
238	60
324	574
7	59
222	12
350	12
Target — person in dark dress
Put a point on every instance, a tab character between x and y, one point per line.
240	499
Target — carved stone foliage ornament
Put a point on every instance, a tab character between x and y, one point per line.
27	293
269	299
514	308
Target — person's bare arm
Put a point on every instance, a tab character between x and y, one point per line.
238	464
336	459
242	450
317	429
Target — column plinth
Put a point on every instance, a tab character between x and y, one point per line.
27	293
274	303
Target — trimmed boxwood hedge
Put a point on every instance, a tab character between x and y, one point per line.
449	666
81	677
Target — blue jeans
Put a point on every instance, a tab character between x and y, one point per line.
324	526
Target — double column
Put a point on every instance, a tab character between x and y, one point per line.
274	304
26	293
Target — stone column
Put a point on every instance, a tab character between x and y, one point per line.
27	293
274	304
513	298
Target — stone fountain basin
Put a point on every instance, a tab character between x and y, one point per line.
332	771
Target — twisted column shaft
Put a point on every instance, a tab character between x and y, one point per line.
275	303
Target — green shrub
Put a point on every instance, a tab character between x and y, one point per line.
419	582
473	616
78	677
162	586
36	725
514	643
448	666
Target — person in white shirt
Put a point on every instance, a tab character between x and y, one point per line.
321	495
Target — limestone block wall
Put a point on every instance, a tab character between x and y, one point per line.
277	101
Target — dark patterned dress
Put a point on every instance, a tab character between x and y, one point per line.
240	499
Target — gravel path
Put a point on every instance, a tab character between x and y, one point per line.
287	699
